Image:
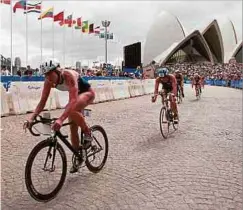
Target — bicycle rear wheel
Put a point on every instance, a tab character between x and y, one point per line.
98	133
30	175
164	122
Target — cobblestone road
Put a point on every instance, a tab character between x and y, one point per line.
198	167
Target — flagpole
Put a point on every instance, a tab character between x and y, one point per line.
26	37
41	35
53	45
64	33
106	24
72	35
11	16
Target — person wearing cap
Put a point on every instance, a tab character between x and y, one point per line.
80	95
169	86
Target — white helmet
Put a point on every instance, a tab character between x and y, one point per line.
49	65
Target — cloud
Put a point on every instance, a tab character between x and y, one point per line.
130	22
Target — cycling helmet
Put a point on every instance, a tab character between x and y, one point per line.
177	71
49	65
196	75
162	72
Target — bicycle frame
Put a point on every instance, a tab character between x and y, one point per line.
197	89
63	138
165	100
66	142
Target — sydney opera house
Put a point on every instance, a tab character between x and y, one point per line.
168	42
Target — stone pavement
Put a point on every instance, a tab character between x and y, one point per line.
198	167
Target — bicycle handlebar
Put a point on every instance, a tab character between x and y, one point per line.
42	120
160	93
49	121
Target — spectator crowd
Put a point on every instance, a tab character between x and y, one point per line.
228	72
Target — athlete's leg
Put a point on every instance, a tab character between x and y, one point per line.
163	94
74	134
84	100
182	91
174	105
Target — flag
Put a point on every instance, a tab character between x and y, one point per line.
85	26
91	28
6	1
33	8
69	20
19	5
61	23
78	27
97	30
59	16
79	21
102	35
47	14
110	36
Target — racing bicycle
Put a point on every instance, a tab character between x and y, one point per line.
53	160
198	91
166	118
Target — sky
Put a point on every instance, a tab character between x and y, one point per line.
130	23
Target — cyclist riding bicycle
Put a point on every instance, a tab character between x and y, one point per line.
197	80
80	95
180	81
169	84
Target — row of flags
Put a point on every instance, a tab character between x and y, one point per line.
69	21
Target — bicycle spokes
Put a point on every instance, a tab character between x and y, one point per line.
45	170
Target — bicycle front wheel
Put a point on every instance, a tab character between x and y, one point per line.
98	151
164	122
44	175
198	94
176	123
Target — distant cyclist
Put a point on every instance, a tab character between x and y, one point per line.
180	81
203	80
169	86
80	96
197	82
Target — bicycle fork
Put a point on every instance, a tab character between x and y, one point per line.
49	155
